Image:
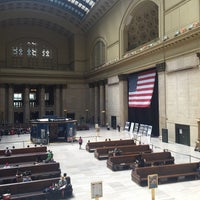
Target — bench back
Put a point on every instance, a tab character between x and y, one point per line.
25	150
147	156
163	170
123	159
18	158
38	168
25	187
93	145
157	156
127	148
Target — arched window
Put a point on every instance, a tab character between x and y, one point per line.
98	54
143	26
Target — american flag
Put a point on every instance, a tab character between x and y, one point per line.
141	88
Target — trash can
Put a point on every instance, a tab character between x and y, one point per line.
165	135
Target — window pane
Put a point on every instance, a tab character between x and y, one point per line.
17	96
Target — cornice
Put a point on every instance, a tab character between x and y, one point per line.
158	47
40	77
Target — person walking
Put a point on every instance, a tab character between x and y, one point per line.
80	141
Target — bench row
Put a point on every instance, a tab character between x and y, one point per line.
91	146
25	150
22	158
116	163
25	178
36	171
166	173
27	190
103	153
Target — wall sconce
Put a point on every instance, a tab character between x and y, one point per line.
193	25
165	38
177	33
65	112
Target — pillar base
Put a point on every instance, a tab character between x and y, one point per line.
197	147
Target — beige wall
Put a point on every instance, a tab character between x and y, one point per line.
180	14
112	106
162	100
76	99
108	28
59	42
183	94
79	53
175	88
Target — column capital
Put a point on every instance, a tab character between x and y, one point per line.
161	67
123	77
103	82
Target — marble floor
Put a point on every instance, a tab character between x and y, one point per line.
84	168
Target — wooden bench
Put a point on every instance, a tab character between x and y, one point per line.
25	150
128	161
166	173
91	146
38	171
22	158
28	190
123	162
103	153
158	158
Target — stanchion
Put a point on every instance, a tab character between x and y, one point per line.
153	193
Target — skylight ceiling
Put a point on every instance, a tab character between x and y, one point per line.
78	8
79	14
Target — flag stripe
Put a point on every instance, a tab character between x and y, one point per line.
141	89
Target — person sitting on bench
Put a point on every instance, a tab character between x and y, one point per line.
8	152
198	169
62	185
116	152
49	157
139	161
19	176
26	176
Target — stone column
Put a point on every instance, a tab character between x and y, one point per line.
26	105
197	147
10	104
64	101
162	96
2	103
57	101
96	104
198	122
61	102
102	103
91	103
42	101
123	100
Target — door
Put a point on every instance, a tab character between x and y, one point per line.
182	134
113	122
